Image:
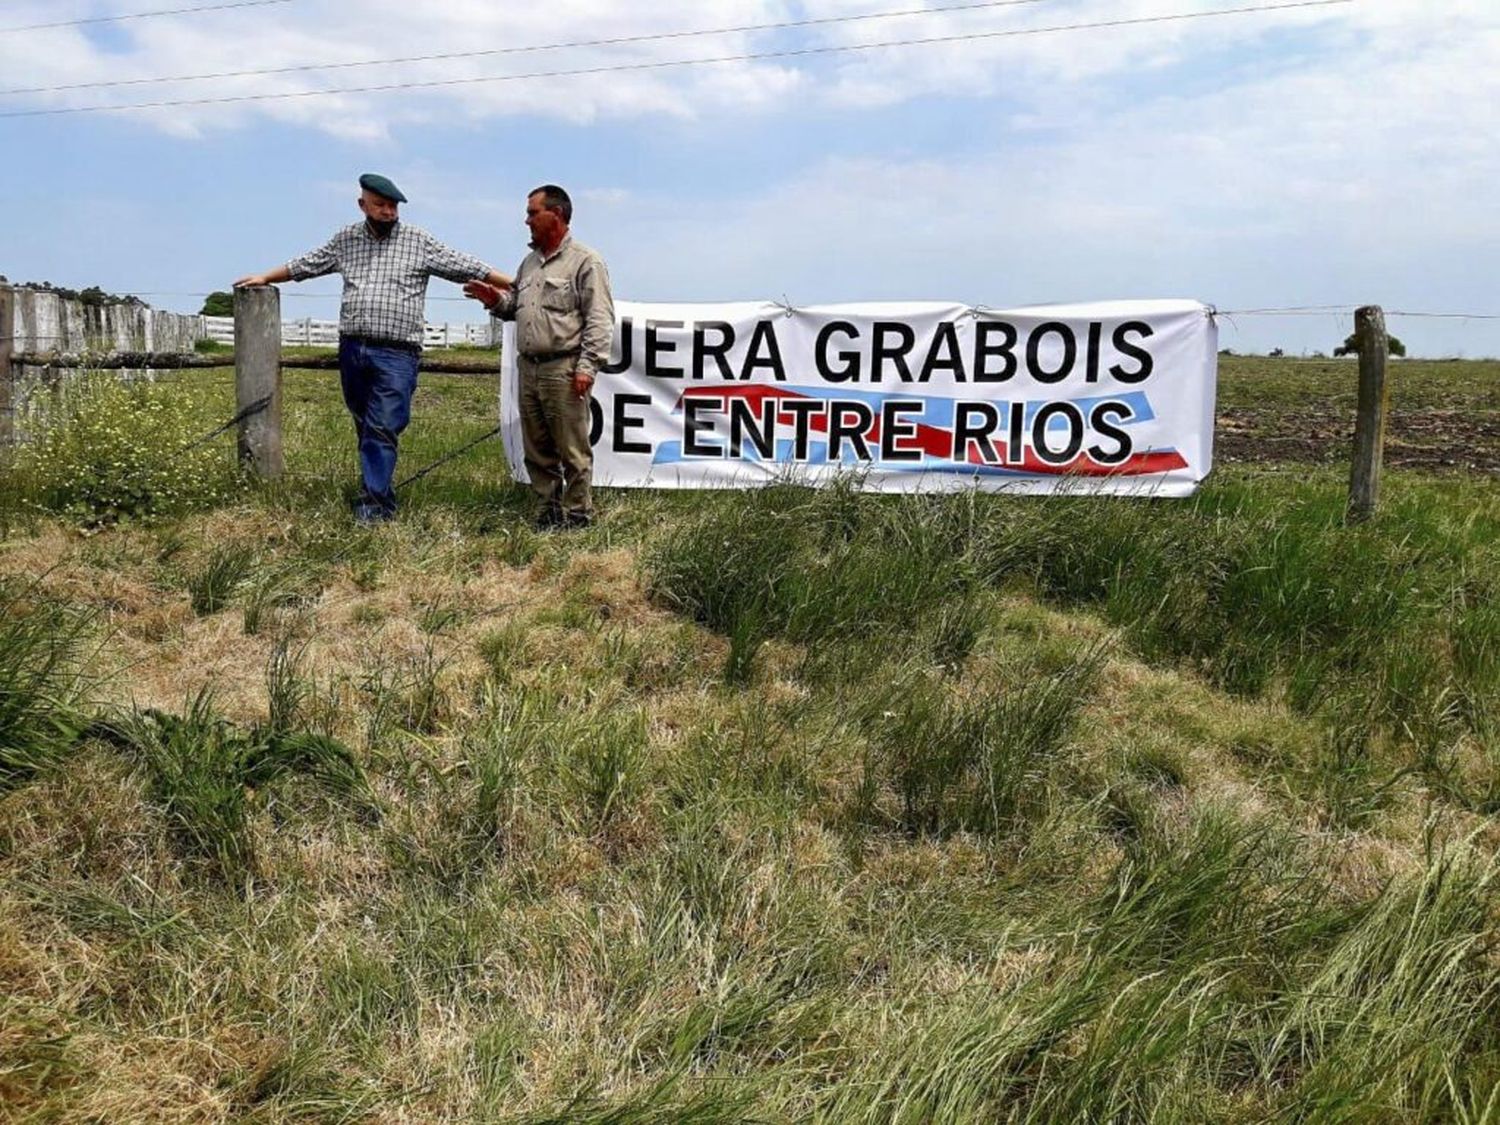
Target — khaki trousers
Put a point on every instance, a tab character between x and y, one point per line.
555	436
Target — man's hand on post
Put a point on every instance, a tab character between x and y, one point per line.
483	292
583	382
270	277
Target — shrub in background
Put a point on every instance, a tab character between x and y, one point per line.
218	303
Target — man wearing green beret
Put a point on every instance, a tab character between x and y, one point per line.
386	265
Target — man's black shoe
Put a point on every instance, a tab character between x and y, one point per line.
577	521
547	519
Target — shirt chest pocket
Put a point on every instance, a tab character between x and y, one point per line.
557	295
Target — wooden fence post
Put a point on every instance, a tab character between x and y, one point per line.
257	377
7	368
1369	424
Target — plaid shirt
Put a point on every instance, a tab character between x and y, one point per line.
385	279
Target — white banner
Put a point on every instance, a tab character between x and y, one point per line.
1115	397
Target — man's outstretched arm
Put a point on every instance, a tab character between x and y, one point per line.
270	277
499	296
315	263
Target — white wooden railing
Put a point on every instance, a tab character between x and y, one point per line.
309	332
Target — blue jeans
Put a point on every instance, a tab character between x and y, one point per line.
378	384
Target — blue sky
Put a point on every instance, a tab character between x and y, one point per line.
1334	155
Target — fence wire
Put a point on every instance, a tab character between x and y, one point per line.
254	408
262	403
446	457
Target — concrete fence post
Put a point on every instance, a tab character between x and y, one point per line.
7	367
257	377
1369	423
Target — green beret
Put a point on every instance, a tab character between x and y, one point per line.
370	181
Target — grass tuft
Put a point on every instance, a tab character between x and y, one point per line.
973	763
202	773
211	588
40	682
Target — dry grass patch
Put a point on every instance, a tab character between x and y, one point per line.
599	870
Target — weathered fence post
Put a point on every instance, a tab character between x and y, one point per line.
7	368
1369	423
257	378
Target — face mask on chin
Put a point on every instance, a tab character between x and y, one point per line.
382	227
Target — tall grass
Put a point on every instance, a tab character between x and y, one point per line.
211	587
1390	628
1403	1007
973	763
1206	984
1390	625
478	799
41	709
817	567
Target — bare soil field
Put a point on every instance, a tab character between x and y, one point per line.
1445	416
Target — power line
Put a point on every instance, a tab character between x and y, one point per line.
142	15
801	52
287	293
577	44
1444	316
1287	310
1290	310
1348	310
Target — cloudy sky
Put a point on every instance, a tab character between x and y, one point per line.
1315	156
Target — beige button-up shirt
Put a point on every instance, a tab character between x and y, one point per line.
562	303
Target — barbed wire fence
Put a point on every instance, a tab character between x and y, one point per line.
1369	325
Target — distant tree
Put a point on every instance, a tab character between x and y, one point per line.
1350	346
218	303
1226	351
98	298
1277	353
92	296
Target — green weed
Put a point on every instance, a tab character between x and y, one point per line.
41	713
211	587
973	763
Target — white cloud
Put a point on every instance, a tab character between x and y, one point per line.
1038	71
1045	80
322	32
1361	175
1337	153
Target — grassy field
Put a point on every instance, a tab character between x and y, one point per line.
776	806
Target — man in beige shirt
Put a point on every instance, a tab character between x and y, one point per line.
565	323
